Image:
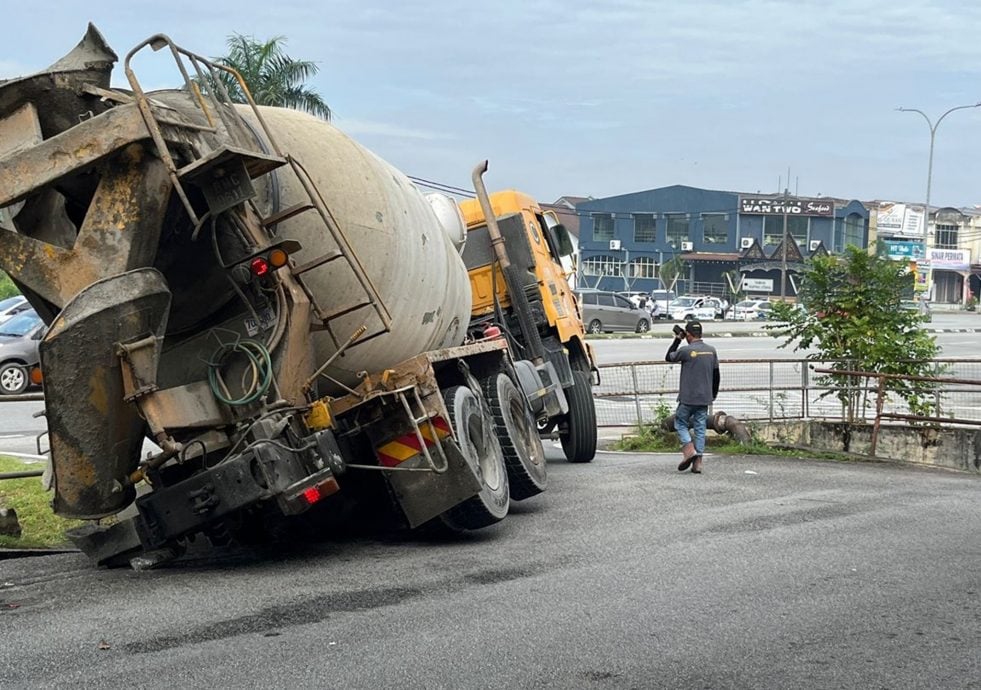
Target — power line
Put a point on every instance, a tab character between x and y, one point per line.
442	187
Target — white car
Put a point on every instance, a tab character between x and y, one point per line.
691	309
752	310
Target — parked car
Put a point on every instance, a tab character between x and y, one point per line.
19	340
752	310
636	298
663	298
605	312
12	306
922	307
718	304
691	309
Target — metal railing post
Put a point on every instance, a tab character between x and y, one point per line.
771	389
880	399
804	392
633	375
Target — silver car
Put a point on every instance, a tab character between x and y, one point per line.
12	306
19	340
606	312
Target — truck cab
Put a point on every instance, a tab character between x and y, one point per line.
536	244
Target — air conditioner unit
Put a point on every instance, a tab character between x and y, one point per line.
614	245
687	246
814	245
746	243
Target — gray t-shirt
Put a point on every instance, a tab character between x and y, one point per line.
698	364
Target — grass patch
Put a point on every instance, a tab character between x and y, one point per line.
651	438
41	527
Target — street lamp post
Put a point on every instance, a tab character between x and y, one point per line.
926	209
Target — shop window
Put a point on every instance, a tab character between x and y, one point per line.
715	228
644	228
602	227
772	230
945	236
797	227
677	229
644	267
854	228
601	266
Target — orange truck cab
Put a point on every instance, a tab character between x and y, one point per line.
536	244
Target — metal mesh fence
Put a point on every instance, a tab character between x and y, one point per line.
631	394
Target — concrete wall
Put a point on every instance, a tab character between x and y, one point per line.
953	448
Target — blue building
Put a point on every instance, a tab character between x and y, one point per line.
625	240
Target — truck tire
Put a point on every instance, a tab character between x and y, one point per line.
578	430
517	433
475	436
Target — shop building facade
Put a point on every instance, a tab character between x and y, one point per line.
626	241
945	256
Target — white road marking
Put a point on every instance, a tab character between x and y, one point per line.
25	456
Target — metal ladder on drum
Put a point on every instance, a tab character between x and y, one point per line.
254	164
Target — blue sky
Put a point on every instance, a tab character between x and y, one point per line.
579	97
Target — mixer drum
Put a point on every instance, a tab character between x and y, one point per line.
395	233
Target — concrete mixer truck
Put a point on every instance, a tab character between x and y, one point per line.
282	313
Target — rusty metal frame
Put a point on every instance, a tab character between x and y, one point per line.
157	42
79	147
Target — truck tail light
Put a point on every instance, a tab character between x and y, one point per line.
259	267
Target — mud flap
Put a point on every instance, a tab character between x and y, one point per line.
95	434
424	495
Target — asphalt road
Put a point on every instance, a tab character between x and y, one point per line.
957	334
625	574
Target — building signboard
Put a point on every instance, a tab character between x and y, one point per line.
950	259
904	250
757	284
791	206
899	220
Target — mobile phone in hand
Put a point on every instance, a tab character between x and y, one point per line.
678	330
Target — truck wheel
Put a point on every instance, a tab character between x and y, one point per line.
517	432
595	326
13	379
477	441
643	326
578	432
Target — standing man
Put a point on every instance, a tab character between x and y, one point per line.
698	388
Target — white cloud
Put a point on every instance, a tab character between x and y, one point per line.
576	95
355	127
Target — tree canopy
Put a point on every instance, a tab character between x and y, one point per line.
850	311
272	76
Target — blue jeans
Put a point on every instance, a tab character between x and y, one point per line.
694	417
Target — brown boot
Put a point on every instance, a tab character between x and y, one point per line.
688	453
696	464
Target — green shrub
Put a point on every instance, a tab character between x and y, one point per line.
7	287
41	527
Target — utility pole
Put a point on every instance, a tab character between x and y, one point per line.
926	209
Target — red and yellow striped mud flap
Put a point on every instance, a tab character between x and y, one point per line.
407	446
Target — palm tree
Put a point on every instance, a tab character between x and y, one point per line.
272	76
